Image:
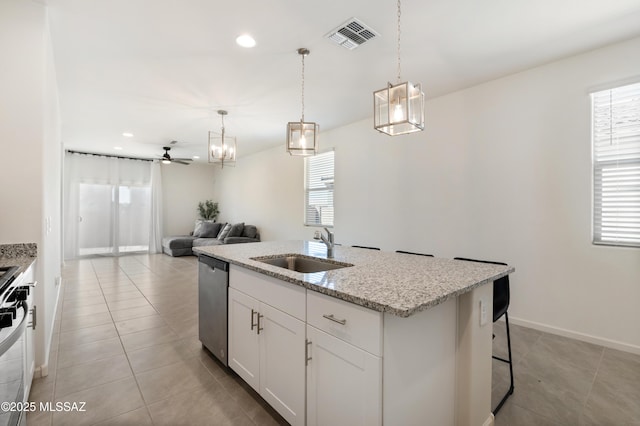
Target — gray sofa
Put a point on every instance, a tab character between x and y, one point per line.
207	233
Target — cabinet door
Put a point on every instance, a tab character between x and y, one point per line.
344	383
29	349
244	352
27	279
282	363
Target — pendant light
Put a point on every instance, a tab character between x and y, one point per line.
399	108
222	148
302	136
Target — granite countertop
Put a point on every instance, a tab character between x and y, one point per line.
21	255
400	284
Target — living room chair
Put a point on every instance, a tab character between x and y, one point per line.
501	297
411	252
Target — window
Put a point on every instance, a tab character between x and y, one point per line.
318	189
616	166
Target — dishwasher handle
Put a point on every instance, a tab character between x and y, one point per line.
214	263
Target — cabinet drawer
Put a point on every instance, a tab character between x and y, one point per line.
354	324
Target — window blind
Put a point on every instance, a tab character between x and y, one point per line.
616	166
319	181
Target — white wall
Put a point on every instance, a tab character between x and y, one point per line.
265	190
21	127
502	172
183	187
31	147
52	157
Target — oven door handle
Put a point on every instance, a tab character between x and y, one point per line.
17	332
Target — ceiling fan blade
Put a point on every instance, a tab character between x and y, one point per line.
181	159
173	160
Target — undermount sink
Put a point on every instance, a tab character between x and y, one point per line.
300	263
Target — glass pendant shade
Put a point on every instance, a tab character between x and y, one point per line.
222	148
399	109
302	138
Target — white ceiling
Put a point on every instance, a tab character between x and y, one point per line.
160	69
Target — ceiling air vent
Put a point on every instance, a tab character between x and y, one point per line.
352	34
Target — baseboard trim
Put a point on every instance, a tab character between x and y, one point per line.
43	370
613	344
489	421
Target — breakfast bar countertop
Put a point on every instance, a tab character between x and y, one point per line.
396	283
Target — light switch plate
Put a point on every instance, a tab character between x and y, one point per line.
483	312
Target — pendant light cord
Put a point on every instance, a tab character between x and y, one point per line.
222	119
399	14
302	119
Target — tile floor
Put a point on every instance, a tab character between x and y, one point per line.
564	382
126	343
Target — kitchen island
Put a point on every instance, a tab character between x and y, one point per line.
392	339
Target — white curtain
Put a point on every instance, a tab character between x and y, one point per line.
155	230
111	205
70	207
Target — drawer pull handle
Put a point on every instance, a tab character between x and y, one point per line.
307	356
252	314
34	317
334	319
259	328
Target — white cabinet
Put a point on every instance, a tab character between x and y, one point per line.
344	372
358	366
344	383
29	343
282	367
28	279
268	322
244	349
267	345
354	324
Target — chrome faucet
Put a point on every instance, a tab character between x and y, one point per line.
328	241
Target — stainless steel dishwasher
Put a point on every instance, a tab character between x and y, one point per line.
213	286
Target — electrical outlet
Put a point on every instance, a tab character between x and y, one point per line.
483	312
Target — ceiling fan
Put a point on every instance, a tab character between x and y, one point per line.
167	159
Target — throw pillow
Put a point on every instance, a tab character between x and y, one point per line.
224	232
236	230
197	230
210	230
250	231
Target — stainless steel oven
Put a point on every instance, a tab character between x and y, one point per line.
13	322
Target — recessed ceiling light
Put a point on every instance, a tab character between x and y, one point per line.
127	135
119	148
195	157
245	40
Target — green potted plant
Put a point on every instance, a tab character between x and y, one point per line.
208	210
